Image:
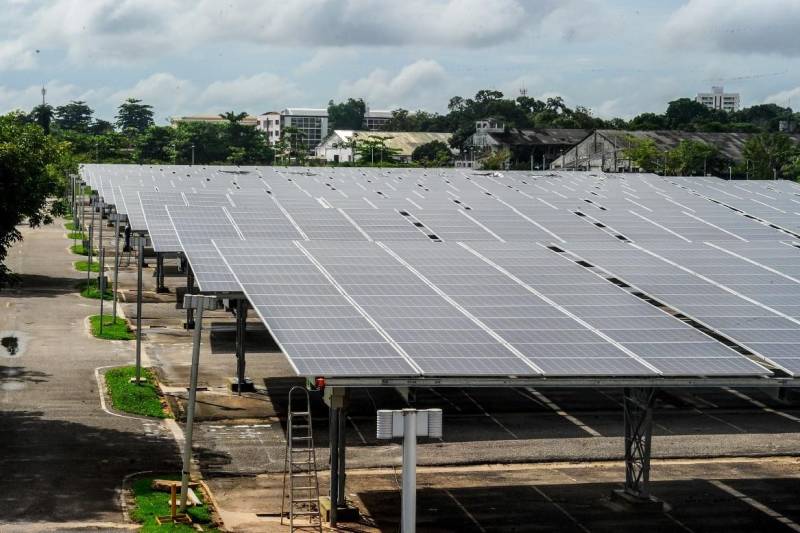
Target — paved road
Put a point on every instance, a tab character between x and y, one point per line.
62	458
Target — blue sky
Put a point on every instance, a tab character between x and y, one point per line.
619	58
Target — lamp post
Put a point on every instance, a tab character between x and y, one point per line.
192	154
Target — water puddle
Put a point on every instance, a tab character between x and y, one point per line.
12	343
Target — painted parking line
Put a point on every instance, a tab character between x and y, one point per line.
465	511
764	407
487	414
560	412
756	504
561	509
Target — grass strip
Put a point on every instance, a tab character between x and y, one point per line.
71	226
128	397
112	331
151	503
79	249
77	235
91	290
83	266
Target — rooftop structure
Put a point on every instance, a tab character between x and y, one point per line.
337	147
719	99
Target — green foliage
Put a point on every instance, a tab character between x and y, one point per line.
91	289
134	116
112	331
83	266
643	153
156	144
43	115
141	399
771	154
33	167
71	226
372	150
74	116
79	249
691	158
347	115
496	160
77	235
432	154
151	503
683	112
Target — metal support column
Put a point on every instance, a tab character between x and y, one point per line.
116	265
341	448
140	263
241	331
638	407
160	273
189	290
333	424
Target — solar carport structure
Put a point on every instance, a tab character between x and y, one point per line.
450	277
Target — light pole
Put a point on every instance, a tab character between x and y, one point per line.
192	154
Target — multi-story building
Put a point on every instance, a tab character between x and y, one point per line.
270	124
312	123
719	99
375	119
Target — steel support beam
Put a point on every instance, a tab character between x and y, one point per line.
160	288
638	408
190	289
241	332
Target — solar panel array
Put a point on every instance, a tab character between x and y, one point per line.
451	272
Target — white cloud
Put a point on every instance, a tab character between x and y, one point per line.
26	98
248	92
412	84
785	98
92	32
737	26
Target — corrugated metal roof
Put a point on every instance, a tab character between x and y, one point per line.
541	136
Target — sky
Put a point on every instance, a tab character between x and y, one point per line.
617	57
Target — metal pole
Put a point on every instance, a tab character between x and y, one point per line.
89	252
101	284
193	154
140	261
408	521
189	290
333	438
543	163
187	446
341	447
241	330
116	265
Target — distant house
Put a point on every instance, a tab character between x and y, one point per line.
605	149
536	146
246	121
338	146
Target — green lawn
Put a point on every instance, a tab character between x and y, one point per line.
151	503
113	331
71	226
131	398
91	290
76	235
80	250
83	266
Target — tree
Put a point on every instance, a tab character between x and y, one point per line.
496	160
133	115
432	154
33	167
156	145
347	115
42	115
101	127
643	153
692	157
767	154
208	140
74	116
372	150
681	113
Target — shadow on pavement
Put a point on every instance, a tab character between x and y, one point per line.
58	470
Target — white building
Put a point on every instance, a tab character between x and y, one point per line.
719	99
270	124
338	146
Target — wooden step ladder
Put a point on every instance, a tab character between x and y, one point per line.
300	467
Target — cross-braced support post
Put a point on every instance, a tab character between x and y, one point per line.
638	406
